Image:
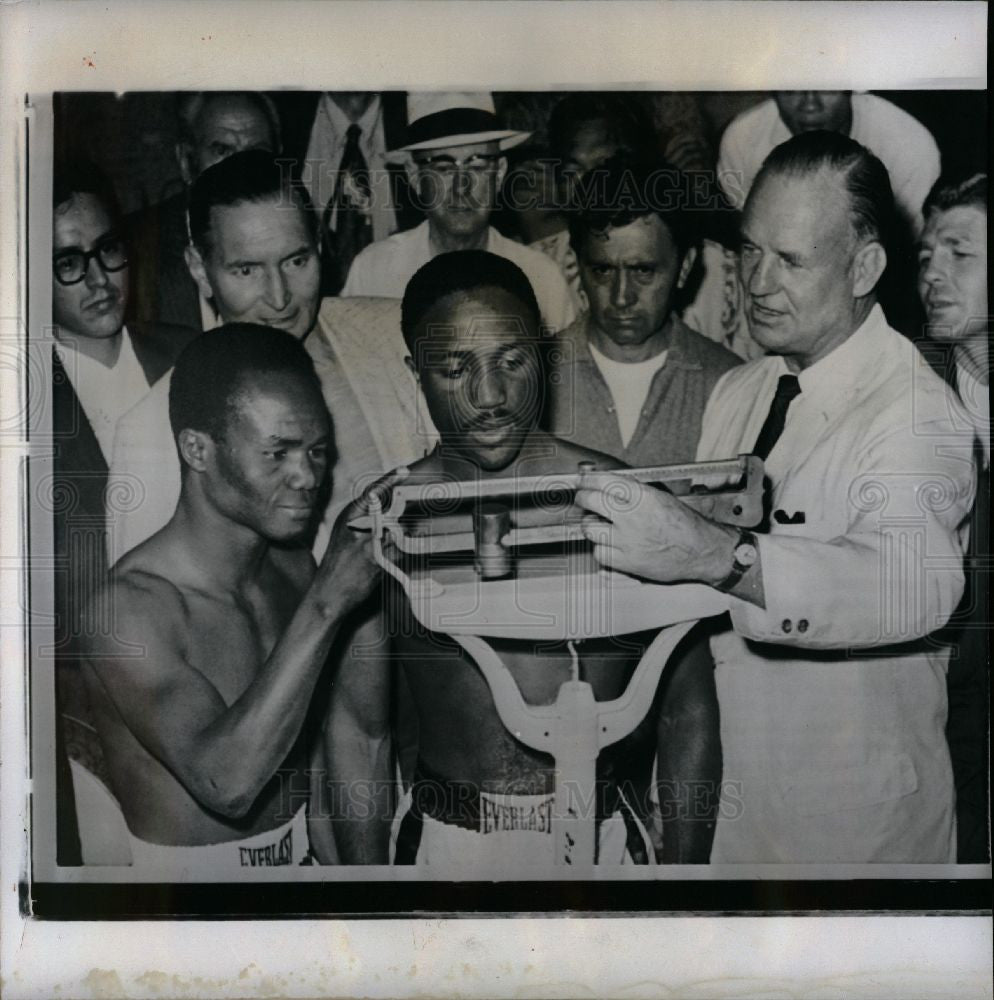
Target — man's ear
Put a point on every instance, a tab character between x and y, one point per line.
867	267
195	447
409	361
195	265
411	170
501	171
185	163
689	259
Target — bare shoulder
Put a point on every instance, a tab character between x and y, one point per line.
135	605
544	453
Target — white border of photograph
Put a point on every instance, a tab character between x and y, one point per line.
48	47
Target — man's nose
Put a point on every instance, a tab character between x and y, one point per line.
96	276
277	291
488	389
934	270
760	276
305	474
622	290
810	100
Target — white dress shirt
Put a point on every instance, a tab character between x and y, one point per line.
832	708
324	156
384	268
104	393
904	146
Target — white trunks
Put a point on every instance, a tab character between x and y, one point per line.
285	845
489	830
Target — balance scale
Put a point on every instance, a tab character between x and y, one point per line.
507	558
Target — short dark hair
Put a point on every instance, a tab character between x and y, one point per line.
629	123
190	105
252	175
212	369
624	190
871	198
72	176
461	271
957	191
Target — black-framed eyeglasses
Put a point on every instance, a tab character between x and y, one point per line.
70	266
446	166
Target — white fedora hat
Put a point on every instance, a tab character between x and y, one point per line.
440	119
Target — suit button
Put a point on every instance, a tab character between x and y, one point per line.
802	625
786	625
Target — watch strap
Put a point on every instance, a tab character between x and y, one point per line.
746	537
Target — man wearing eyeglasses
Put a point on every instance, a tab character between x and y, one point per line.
100	369
456	165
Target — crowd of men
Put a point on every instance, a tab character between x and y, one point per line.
241	370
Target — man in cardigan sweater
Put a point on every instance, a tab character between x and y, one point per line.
632	380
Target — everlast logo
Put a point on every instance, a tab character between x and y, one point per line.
496	816
280	853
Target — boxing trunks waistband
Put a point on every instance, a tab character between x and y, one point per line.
285	845
464	804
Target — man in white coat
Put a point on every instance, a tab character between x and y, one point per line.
832	699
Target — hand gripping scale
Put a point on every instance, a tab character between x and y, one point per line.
506	558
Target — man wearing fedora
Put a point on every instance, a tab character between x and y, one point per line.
455	156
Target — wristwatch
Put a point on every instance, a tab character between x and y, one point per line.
745	555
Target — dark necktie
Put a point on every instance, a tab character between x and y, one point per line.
353	225
788	388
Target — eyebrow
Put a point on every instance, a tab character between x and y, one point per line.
76	248
274	440
246	261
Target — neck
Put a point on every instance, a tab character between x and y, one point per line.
223	554
104	350
631	354
441	242
861	309
458	467
974	356
353	105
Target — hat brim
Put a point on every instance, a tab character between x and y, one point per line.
505	139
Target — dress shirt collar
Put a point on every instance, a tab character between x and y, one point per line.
830	382
368	122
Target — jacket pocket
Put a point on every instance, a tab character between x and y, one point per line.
823	791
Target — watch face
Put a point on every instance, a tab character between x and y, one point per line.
746	554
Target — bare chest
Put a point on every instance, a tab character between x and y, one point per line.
229	636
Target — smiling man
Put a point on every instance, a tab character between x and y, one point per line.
479	796
832	693
212	126
254	258
222	622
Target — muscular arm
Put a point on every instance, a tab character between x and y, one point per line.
688	746
222	754
357	748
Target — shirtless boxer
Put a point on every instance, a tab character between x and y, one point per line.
480	797
221	622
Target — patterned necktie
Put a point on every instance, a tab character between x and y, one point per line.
788	389
349	209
